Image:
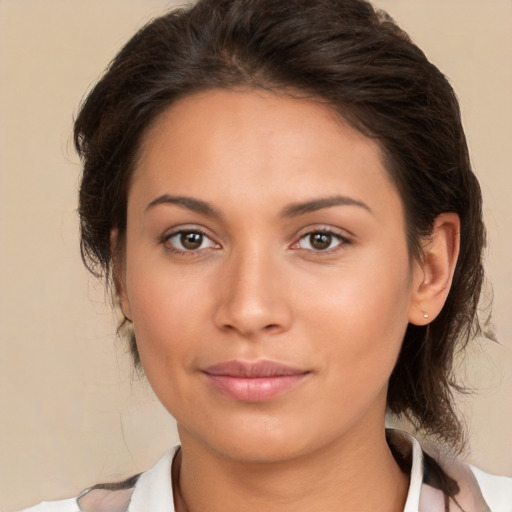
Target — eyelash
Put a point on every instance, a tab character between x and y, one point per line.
169	246
342	240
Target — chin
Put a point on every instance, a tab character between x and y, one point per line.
258	440
261	450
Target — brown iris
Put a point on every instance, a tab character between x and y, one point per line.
191	240
320	241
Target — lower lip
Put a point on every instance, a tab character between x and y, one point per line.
255	389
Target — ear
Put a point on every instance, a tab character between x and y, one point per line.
119	273
433	275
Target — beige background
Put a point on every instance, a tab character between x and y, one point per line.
72	415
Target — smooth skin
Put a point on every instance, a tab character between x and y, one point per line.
263	227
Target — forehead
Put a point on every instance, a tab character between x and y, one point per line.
238	144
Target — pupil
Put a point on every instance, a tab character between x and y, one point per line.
191	240
321	241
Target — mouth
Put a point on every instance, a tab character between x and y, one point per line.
257	381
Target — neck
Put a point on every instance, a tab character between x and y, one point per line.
358	473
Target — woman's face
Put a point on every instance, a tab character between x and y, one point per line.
266	273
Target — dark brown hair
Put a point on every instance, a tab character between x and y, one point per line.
343	53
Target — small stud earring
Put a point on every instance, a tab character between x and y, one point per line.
425	315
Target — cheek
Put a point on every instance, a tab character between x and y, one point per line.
166	322
359	320
166	312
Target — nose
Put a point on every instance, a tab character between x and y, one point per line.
253	296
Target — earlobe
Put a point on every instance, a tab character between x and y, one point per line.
118	273
434	274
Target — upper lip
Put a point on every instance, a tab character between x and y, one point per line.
256	369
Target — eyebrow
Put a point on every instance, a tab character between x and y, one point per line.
196	205
296	209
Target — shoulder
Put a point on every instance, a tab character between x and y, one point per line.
151	490
69	505
496	490
473	489
440	481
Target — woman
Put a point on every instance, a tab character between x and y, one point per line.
280	194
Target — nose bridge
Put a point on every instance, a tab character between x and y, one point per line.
253	298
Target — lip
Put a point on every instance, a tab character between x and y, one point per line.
257	381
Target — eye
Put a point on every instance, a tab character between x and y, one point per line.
189	241
320	241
